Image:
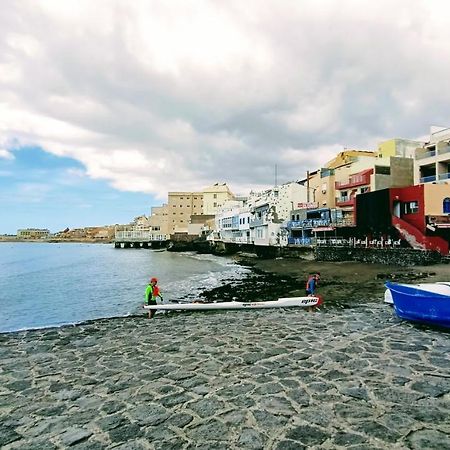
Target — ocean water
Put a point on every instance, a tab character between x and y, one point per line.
44	285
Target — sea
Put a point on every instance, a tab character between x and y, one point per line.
53	284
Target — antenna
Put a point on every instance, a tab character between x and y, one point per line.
276	177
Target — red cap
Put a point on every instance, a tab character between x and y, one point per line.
153	280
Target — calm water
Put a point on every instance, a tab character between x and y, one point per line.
44	285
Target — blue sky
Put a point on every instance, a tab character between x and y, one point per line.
38	189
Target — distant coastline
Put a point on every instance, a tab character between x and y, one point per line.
57	241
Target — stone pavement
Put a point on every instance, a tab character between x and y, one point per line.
270	379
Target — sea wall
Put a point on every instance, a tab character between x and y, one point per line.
401	256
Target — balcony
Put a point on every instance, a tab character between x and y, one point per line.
428	179
443	150
359	179
345	201
444	176
308	224
428	154
300	241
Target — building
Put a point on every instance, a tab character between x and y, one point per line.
270	209
232	222
181	206
432	160
214	197
418	214
404	148
158	220
33	233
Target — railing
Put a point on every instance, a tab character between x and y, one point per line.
428	179
357	242
308	223
443	150
345	201
354	180
427	154
139	236
300	241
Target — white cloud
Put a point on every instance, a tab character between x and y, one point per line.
5	154
155	96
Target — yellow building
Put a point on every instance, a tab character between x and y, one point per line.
214	198
181	206
159	219
349	156
404	148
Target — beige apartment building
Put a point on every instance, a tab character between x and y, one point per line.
432	161
214	197
181	206
159	219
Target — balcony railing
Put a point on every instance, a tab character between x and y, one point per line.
444	176
300	241
345	201
354	180
308	223
443	150
428	179
427	154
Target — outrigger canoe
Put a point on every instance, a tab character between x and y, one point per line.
290	302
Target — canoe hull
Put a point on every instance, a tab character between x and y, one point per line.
299	302
414	303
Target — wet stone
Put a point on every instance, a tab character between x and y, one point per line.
289	445
151	414
347	439
210	431
432	388
125	433
8	435
375	429
207	407
180	420
429	439
251	439
307	435
74	435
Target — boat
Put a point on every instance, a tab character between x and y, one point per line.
288	302
435	287
426	303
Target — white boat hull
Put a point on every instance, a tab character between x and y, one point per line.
299	302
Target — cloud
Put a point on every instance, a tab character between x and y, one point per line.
5	154
156	96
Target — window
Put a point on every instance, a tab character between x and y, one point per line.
215	204
364	189
215	196
411	207
446	205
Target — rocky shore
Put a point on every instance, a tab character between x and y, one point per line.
349	376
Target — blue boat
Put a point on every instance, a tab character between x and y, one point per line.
425	303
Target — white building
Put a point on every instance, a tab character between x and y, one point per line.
232	222
432	162
258	219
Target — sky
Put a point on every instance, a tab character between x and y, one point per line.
106	106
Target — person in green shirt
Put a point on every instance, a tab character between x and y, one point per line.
151	294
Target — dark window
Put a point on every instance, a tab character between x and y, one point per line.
411	207
446	205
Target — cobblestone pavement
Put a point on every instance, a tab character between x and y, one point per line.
270	379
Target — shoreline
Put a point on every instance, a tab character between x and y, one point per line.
342	284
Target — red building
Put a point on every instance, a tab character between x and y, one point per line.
419	215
